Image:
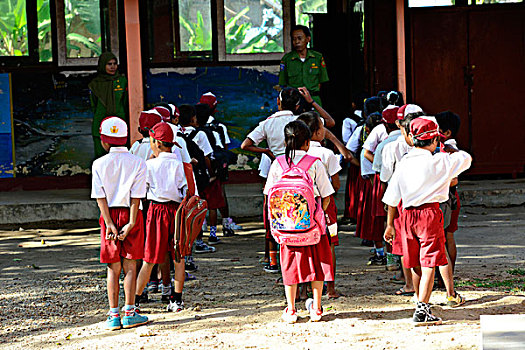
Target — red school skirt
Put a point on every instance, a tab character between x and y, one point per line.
352	191
213	195
132	247
378	208
160	230
308	263
368	227
424	238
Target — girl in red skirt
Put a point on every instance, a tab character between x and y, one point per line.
300	264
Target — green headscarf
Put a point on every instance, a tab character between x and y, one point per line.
102	85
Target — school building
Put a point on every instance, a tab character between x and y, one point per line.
467	56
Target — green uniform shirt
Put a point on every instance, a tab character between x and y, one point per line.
310	73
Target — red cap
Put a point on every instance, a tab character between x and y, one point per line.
424	128
164	112
148	119
162	132
390	114
407	109
209	99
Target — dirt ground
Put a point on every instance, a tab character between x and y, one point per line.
53	295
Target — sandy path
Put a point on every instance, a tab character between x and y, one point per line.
52	295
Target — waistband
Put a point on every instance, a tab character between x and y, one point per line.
165	203
425	206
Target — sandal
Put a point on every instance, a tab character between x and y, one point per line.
397	280
402	292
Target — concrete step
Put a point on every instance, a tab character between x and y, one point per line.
245	200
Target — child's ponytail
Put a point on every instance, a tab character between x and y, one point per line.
296	134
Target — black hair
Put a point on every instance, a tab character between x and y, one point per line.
394	98
373	120
405	123
359	100
296	134
203	112
312	120
449	121
372	105
290	99
186	113
166	144
422	143
305	30
144	133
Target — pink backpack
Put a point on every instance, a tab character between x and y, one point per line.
294	215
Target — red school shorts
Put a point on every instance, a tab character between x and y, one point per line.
214	196
331	213
160	230
132	247
397	246
424	238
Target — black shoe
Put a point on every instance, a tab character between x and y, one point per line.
377	260
213	240
271	268
228	232
165	298
143	298
190	265
423	316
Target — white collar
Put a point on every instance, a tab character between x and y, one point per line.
280	114
416	152
144	140
167	155
118	149
315	144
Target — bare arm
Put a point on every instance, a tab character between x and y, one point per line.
336	183
248	145
390	231
347	155
111	230
328	120
368	155
133	212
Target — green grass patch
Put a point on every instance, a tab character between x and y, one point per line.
512	284
516	272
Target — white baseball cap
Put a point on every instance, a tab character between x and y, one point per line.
114	130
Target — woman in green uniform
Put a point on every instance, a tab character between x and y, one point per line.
109	96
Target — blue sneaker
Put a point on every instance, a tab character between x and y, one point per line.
113	322
133	319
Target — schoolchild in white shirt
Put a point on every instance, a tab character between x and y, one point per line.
333	167
421	181
166	185
119	182
147	120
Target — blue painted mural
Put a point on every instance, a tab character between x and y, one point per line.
6	128
52	115
246	95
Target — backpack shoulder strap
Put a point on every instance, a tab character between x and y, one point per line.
193	133
306	162
282	162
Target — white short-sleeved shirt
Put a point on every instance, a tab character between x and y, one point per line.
391	155
353	143
422	178
165	178
378	159
328	158
322	185
227	140
375	137
182	153
200	139
119	176
142	149
349	126
272	130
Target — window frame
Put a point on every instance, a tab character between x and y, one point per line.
62	59
223	56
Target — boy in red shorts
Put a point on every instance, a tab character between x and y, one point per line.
119	182
421	181
166	184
